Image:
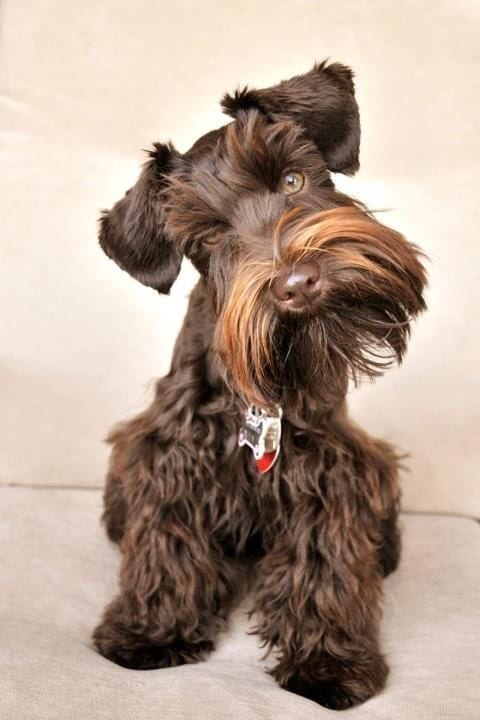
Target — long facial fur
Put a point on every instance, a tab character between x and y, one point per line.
373	281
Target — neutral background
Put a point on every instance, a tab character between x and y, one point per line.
86	85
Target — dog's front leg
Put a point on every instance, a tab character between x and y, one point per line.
175	588
318	604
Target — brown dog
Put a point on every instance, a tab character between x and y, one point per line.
300	291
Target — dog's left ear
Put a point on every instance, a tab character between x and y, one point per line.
322	101
132	233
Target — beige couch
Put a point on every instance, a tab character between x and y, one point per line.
84	86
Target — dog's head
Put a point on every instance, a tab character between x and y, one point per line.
308	288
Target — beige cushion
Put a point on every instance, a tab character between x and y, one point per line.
58	570
86	85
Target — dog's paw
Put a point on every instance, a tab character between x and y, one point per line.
327	693
340	686
151	657
118	642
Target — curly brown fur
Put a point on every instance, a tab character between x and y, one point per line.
186	504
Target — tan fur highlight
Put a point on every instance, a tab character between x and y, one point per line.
367	257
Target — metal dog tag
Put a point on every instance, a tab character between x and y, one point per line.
262	433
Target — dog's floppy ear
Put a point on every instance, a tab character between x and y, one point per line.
322	101
132	232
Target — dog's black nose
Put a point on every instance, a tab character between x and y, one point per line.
298	287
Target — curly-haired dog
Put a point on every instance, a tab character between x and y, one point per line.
301	290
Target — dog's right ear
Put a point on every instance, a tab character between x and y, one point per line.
132	233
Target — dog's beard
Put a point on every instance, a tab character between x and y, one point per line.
373	282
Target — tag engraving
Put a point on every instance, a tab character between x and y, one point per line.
262	433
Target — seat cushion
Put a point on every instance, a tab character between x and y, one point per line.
58	571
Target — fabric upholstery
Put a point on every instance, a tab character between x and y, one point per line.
86	85
58	570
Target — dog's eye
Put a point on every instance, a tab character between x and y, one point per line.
292	182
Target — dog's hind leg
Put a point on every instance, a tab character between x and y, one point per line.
114	508
389	552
